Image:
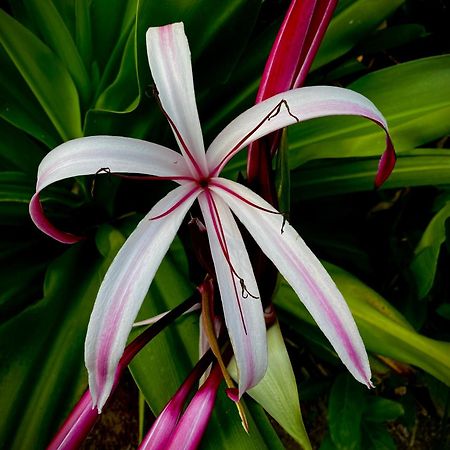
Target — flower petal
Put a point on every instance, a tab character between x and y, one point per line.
303	271
193	422
90	155
286	109
242	307
170	63
125	286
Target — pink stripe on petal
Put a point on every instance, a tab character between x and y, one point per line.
243	312
170	63
40	220
304	272
124	288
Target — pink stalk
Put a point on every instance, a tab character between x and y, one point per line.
193	423
292	54
84	415
161	432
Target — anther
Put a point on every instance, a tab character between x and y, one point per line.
99	171
277	110
245	292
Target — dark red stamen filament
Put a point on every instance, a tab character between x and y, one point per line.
177	204
223	245
272	113
178	134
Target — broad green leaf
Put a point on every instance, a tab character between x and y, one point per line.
350	25
380	409
345	409
383	329
42	368
19	106
83	31
426	254
419	167
57	36
44	74
277	391
112	21
413	119
123	94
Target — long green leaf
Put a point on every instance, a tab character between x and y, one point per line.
57	36
413	119
419	167
19	106
45	75
382	328
277	391
42	368
425	260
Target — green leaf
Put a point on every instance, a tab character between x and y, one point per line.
350	25
57	36
45	75
123	94
19	107
426	254
83	32
419	167
413	119
112	21
383	329
345	409
42	366
380	409
277	391
376	437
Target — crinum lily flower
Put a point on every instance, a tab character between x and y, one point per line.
197	174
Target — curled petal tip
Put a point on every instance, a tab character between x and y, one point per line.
233	394
386	164
38	216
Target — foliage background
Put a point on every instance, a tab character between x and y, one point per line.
79	68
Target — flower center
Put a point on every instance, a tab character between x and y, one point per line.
203	182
